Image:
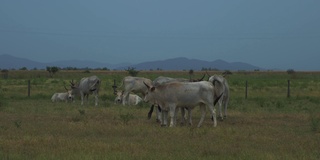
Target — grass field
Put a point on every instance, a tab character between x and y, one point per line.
266	125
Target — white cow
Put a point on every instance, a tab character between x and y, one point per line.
221	87
133	99
135	85
161	80
86	86
176	94
66	96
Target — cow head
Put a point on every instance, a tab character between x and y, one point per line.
74	88
72	84
118	99
70	95
148	94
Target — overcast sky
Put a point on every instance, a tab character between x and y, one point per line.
270	34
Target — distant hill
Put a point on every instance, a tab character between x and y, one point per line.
11	62
181	63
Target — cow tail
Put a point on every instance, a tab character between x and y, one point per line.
94	86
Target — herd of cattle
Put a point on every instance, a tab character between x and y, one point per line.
168	94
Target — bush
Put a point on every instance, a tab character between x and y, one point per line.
132	71
290	71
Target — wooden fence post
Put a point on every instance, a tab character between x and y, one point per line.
29	88
114	87
246	94
288	91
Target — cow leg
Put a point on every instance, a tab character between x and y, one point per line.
96	99
82	96
150	111
213	113
86	98
189	116
172	111
203	114
225	104
158	114
125	98
164	118
220	110
175	116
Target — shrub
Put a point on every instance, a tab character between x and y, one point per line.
290	71
132	71
126	118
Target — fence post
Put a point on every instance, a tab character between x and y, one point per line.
246	94
288	91
114	87
29	88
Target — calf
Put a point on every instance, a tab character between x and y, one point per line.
66	96
133	99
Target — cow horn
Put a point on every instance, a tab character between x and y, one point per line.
208	74
146	84
202	77
72	83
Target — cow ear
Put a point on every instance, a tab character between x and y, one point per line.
152	89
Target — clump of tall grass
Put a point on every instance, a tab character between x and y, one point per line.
81	117
125	118
17	123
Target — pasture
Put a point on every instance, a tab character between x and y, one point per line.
265	125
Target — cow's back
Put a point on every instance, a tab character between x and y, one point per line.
136	84
89	83
185	93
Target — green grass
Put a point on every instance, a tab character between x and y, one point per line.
266	125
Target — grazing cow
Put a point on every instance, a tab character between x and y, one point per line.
135	85
133	99
66	96
221	87
86	86
176	94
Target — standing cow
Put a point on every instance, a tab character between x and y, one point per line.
135	85
177	94
86	86
221	87
161	80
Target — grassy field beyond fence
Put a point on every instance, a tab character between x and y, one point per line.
266	125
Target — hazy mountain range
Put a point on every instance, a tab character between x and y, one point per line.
180	63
